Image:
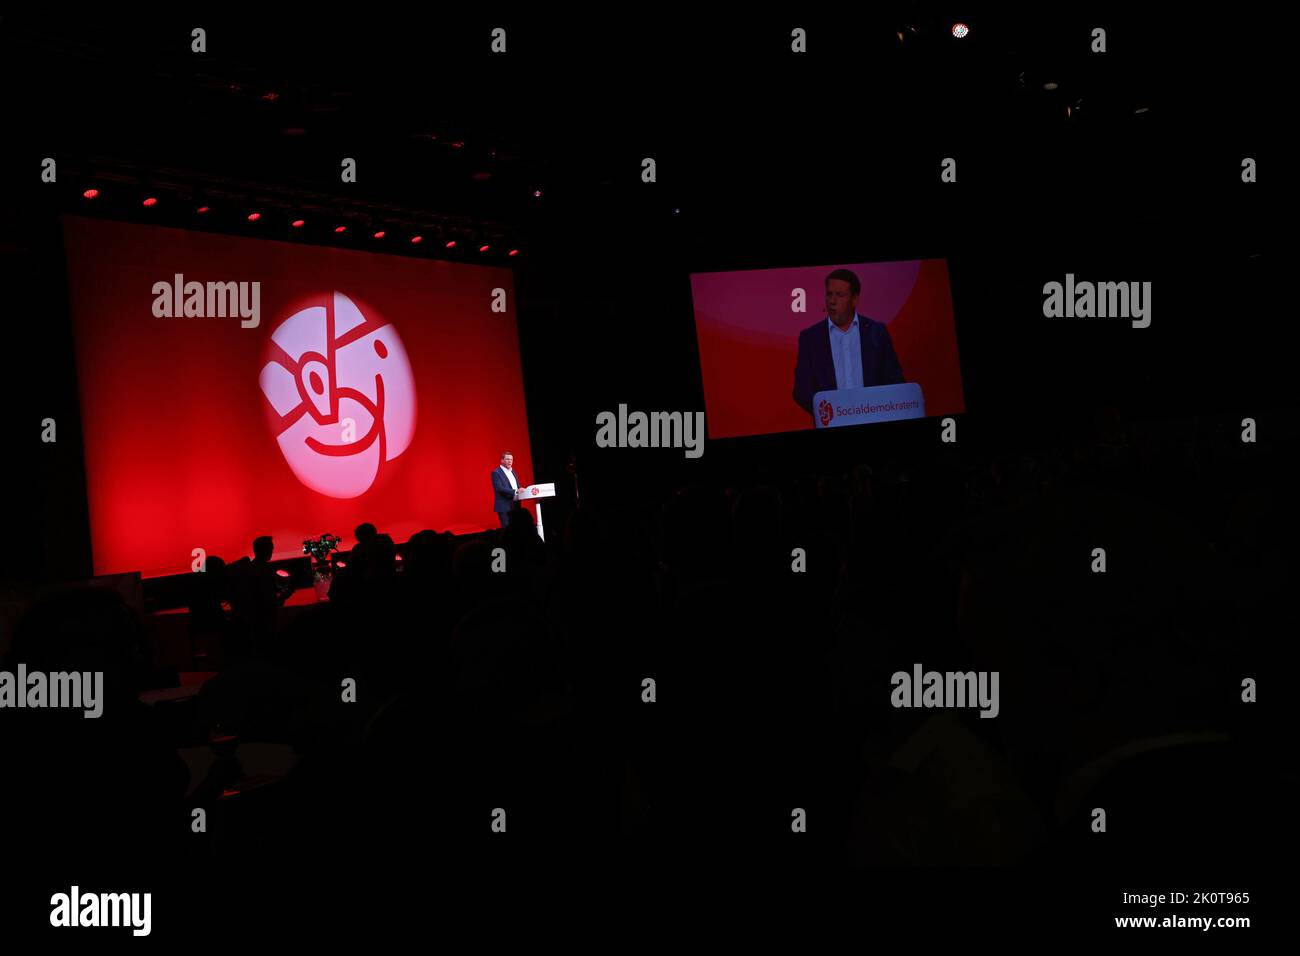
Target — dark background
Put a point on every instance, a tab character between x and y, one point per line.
765	159
771	159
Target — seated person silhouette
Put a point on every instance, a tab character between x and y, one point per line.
346	580
256	592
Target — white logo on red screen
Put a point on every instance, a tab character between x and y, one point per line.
330	364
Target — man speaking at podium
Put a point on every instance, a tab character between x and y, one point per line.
845	351
504	486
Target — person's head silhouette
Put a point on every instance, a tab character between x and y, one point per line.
380	556
263	548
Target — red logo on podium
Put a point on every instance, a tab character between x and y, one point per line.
825	411
536	491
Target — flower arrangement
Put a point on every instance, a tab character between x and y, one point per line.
320	548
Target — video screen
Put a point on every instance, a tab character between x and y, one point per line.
235	387
826	346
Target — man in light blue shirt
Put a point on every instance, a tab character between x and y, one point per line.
847	350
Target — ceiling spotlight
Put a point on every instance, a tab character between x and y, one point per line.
513	252
340	228
151	201
298	223
380	234
1143	109
960	30
1049	85
537	194
417	239
452	244
91	193
484	248
254	216
203	209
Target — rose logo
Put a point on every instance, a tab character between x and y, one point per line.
826	412
343	394
536	492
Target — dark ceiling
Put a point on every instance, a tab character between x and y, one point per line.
447	134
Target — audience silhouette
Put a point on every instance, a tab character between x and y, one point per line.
498	670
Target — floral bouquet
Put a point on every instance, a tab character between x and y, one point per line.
320	548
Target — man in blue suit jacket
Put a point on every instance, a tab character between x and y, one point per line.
504	485
846	350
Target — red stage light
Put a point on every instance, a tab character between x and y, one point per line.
298	224
417	238
340	564
452	244
483	248
254	216
151	201
282	572
514	252
203	209
380	234
91	193
340	228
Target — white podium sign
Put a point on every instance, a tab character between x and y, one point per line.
858	406
536	493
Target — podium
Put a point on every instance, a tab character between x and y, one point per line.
859	406
536	493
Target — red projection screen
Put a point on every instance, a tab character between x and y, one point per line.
236	387
749	337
